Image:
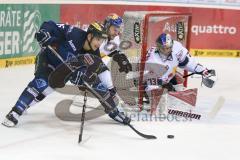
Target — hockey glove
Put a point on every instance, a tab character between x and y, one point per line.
119	117
83	74
210	72
44	38
123	62
92	67
209	78
168	86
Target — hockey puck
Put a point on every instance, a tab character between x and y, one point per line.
170	136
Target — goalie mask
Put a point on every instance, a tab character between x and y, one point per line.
164	44
113	24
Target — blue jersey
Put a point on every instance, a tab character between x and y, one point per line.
70	41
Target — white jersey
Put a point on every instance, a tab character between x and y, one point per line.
107	47
164	68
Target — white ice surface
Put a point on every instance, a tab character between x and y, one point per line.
42	136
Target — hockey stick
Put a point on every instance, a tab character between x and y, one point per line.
99	97
83	117
60	58
103	101
141	134
189	75
85	94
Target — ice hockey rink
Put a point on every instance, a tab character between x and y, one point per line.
41	135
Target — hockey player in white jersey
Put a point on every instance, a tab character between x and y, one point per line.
109	49
163	61
113	24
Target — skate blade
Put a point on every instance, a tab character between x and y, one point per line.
8	123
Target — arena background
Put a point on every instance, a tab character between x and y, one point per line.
42	135
214	32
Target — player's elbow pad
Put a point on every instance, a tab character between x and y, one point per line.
194	67
52	28
184	62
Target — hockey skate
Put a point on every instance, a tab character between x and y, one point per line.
11	119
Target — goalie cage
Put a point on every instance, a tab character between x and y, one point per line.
140	31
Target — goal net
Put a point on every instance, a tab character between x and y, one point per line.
141	28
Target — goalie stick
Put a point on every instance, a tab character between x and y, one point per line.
99	97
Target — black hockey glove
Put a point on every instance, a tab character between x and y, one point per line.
123	62
44	38
76	77
88	73
83	74
168	86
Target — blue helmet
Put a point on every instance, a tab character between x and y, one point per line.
164	41
113	19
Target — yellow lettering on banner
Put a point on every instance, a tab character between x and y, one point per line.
10	62
215	53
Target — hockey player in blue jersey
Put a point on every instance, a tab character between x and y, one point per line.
73	45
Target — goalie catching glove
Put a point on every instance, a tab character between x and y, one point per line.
209	78
123	62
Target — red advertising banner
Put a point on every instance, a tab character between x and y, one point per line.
214	29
